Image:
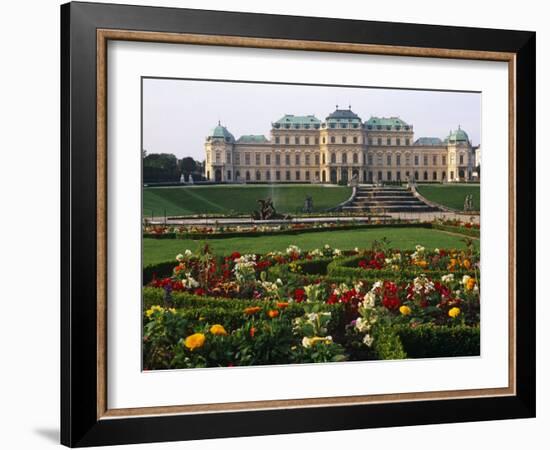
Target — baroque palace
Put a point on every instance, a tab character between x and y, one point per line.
341	148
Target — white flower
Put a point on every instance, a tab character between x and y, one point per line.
465	279
369	299
188	252
279	282
327	246
376	285
337	252
436	250
448	278
306	342
179	257
368	340
293	249
362	325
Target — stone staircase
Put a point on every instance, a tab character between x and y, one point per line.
386	199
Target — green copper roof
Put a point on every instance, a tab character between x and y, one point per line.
252	139
457	136
297	122
428	141
343	115
384	122
221	132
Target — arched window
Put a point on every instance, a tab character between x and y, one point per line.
416	176
344	158
355	158
268	175
332	139
238	174
258	175
247	175
333	158
344	139
434	176
425	176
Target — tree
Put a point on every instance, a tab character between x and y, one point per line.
160	168
187	165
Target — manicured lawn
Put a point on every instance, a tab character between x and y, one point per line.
238	199
159	250
450	195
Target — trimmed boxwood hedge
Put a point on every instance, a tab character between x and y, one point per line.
289	231
347	268
471	232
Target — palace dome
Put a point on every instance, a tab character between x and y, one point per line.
457	136
221	132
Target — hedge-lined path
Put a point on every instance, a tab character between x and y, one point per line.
160	250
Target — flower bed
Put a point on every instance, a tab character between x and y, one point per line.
325	305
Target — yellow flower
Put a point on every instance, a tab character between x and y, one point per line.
405	310
153	309
470	284
218	330
467	264
272	313
422	263
252	310
195	341
454	312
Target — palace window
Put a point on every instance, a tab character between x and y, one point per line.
277	159
307	141
316	141
287	140
278	175
297	159
333	158
452	175
287	160
369	141
355	158
218	157
434	160
425	176
268	175
355	139
461	159
388	176
379	176
379	159
308	159
397	160
398	176
434	176
407	159
443	159
317	175
296	140
407	141
267	160
398	141
344	139
307	175
379	141
297	175
369	158
344	158
258	159
425	160
442	175
416	176
324	161
247	159
388	160
237	158
343	125
332	139
237	175
247	175
277	139
229	175
324	140
228	157
388	141
332	125
407	174
316	159
416	160
258	175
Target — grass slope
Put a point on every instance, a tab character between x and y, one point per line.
450	195
160	250
238	199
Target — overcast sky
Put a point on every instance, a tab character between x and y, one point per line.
178	114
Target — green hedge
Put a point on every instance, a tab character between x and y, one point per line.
471	232
347	268
290	231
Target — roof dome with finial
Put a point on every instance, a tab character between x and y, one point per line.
221	132
458	135
344	118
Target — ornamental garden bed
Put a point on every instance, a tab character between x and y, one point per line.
324	305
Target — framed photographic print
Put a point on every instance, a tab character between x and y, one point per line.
277	224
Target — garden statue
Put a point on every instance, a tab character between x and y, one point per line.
191	179
354	180
267	211
468	203
308	204
182	178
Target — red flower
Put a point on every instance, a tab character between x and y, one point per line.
200	291
299	295
235	255
391	303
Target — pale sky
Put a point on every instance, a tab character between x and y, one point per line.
179	114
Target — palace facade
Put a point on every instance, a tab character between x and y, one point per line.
342	147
